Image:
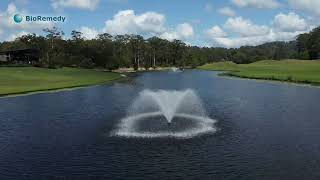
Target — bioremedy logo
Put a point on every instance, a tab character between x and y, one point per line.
19	18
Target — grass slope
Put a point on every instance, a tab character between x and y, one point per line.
16	80
298	71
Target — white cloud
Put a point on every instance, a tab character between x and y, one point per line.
227	11
284	27
88	33
257	3
6	20
253	40
311	6
208	7
289	22
215	32
146	24
11	8
12	37
185	30
127	22
182	32
7	23
245	27
81	4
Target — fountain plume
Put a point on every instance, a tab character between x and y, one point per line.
170	104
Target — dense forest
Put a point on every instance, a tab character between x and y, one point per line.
112	52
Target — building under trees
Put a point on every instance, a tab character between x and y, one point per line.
20	56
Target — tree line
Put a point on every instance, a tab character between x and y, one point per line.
308	45
112	52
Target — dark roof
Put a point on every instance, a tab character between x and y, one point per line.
22	55
21	51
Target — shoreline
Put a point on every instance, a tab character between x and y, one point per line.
58	89
221	73
124	74
302	82
299	72
227	74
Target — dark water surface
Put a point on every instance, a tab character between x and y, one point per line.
266	131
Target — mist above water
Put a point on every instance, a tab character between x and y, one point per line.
168	102
184	105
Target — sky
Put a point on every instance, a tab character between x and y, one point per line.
210	23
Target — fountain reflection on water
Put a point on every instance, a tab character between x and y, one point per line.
154	107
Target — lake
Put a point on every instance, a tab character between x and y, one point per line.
264	130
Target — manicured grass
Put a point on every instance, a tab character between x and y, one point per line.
16	80
298	71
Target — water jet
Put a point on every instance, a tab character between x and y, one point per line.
175	69
151	108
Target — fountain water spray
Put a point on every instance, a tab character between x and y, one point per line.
167	101
175	69
169	104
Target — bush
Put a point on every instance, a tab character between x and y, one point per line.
112	63
86	63
58	59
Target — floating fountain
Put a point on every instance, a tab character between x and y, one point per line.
175	69
165	113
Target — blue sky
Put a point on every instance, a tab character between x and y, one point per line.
225	23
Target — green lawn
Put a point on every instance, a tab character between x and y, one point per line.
15	80
298	71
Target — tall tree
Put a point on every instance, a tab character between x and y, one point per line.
313	44
53	35
155	43
302	46
76	35
177	51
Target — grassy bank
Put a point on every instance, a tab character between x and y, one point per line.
18	80
297	71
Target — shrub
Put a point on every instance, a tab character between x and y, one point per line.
86	63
